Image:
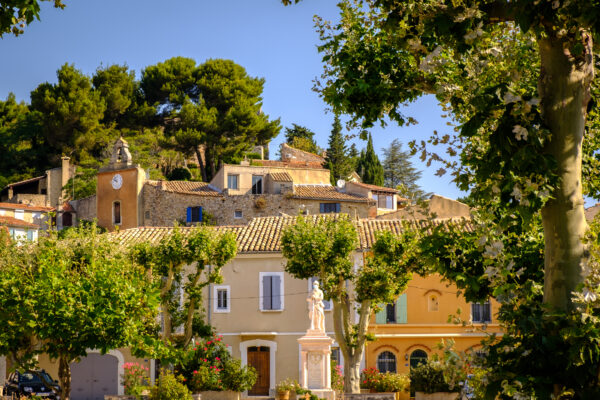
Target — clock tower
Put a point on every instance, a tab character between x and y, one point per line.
119	190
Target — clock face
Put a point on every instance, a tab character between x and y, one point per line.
117	181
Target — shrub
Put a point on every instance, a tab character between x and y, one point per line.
286	385
209	366
170	388
337	378
369	378
429	377
390	382
134	378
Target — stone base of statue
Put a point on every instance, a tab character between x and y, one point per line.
315	362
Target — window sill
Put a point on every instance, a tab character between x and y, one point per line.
222	311
271	311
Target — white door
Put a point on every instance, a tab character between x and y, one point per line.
94	376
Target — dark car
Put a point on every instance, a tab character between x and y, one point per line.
30	383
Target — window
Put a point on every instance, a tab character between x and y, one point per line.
2	212
336	355
389	202
330	208
194	214
390	313
386	362
417	358
232	182
20	214
117	213
327	304
30	235
222	297
481	312
394	313
257	181
237	214
271	291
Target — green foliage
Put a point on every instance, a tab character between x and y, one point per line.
368	167
302	138
338	161
337	378
63	297
209	366
170	387
322	247
117	86
15	14
134	378
180	174
428	377
372	379
200	247
399	172
286	385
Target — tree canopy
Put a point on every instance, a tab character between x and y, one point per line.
399	172
15	14
368	166
62	297
302	138
338	159
324	248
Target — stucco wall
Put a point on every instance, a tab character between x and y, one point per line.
129	195
85	208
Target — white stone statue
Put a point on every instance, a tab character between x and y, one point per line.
316	309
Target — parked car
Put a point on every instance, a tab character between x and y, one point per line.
31	383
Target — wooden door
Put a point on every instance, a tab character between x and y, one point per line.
258	357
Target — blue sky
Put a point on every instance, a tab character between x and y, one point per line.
268	39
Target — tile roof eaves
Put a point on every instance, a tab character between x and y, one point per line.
358	200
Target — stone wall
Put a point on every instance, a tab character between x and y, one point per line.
291	154
30	199
163	208
85	208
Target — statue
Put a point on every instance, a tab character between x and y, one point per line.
316	309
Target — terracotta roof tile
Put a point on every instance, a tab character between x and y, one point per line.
187	187
14	222
326	193
263	235
289	164
16	206
281	177
375	187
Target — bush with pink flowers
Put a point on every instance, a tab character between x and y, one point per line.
134	378
209	366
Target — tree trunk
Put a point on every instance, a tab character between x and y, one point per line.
64	376
564	88
201	163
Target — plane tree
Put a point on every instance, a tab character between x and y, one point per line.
16	14
325	248
62	297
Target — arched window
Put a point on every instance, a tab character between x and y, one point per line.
386	362
116	212
417	357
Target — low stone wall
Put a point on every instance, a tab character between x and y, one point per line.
213	395
369	396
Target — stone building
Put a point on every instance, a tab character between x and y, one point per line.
126	198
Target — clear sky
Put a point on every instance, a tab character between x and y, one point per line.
268	39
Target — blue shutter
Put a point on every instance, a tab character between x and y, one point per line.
266	294
338	207
30	235
200	214
380	317
276	292
189	214
322	207
401	309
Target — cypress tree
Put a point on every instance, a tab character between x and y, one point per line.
370	169
399	172
337	159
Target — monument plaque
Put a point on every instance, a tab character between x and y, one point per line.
315	349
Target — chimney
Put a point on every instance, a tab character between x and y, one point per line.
65	175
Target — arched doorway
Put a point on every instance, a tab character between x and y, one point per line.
95	376
417	357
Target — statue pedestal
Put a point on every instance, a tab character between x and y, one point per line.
315	361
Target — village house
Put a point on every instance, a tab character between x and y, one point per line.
24	222
126	198
261	311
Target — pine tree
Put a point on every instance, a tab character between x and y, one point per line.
302	138
338	161
369	167
399	172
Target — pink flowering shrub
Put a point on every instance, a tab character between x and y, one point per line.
337	378
209	366
134	378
